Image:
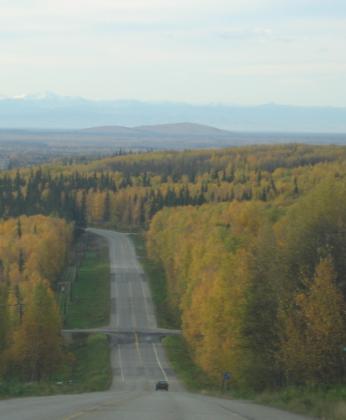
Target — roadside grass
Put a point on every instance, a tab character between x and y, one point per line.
326	402
90	303
92	370
157	282
87	369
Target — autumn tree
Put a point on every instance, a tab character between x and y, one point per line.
29	317
36	349
314	331
259	327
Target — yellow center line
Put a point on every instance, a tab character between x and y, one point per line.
138	350
74	416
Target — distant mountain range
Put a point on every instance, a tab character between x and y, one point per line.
161	136
161	130
105	139
51	111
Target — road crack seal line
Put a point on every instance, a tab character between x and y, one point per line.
104	406
241	416
229	410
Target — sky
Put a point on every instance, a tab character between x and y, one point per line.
245	52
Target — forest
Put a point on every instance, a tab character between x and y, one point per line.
126	191
259	293
251	240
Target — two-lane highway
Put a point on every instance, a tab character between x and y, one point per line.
138	361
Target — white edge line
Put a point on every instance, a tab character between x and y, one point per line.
158	361
120	364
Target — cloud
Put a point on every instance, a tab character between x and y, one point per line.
241	33
101	46
119	9
284	70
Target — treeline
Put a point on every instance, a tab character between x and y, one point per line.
260	288
33	252
127	191
37	192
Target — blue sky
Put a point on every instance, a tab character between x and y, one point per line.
199	51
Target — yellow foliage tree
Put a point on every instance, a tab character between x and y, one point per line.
314	331
36	349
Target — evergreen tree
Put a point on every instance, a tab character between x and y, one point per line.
21	260
107	208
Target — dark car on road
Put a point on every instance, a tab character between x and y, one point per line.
161	385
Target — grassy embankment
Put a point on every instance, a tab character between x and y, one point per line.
90	307
327	402
87	365
86	369
323	402
90	304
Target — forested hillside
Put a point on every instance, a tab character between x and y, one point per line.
127	190
252	241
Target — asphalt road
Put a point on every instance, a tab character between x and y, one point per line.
138	362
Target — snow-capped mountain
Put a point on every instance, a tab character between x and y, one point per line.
50	110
